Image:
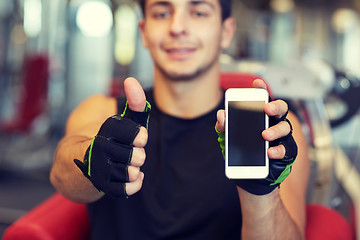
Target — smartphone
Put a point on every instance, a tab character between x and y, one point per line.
245	119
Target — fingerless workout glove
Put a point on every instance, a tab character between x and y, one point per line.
279	169
108	157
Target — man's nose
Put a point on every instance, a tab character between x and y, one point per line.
179	24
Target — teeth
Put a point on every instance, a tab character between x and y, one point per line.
179	50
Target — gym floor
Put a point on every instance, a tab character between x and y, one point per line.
25	162
20	192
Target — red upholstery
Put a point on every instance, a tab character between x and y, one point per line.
56	218
238	80
325	223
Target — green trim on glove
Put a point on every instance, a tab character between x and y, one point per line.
283	175
221	140
126	107
104	150
147	108
89	158
262	186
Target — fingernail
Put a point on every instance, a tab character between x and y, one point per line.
272	106
270	133
273	151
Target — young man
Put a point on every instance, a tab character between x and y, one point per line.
173	162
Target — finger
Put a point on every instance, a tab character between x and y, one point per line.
141	138
122	130
220	124
259	83
276	108
138	157
277	131
277	152
133	173
133	187
134	94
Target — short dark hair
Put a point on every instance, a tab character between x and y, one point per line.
224	4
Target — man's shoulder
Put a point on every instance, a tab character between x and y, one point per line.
96	108
99	98
100	102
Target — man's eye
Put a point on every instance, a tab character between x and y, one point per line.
161	15
199	14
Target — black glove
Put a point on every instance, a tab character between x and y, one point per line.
279	169
108	157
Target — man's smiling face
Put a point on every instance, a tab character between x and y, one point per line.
184	37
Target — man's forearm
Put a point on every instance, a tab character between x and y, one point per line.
66	176
265	217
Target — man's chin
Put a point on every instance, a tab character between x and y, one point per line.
185	72
181	76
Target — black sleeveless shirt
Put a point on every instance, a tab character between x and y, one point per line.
185	193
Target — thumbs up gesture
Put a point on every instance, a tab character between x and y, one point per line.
112	161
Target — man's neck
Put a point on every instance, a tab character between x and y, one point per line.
188	99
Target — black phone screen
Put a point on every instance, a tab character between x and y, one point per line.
246	121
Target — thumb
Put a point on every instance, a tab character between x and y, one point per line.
134	94
220	124
259	83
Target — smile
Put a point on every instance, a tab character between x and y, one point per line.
179	53
180	50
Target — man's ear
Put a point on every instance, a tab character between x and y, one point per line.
228	31
141	25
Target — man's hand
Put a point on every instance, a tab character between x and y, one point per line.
282	151
112	161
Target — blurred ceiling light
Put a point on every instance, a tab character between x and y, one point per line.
282	6
94	19
344	20
32	17
126	27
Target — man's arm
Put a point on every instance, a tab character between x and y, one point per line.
281	213
113	146
82	125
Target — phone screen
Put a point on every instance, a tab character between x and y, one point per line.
246	121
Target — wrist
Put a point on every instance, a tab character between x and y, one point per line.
257	207
246	196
